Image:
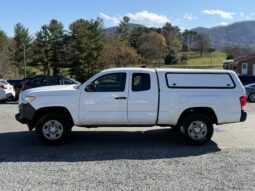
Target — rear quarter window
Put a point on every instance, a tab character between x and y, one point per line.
141	82
51	81
200	80
68	81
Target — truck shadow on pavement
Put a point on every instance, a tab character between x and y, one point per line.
100	146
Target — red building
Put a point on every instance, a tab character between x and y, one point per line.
246	65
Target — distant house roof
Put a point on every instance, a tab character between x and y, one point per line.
244	58
228	61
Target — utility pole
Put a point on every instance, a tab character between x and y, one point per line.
24	57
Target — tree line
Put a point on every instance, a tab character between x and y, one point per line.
86	48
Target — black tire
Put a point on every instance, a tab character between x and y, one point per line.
250	97
62	124
3	101
197	122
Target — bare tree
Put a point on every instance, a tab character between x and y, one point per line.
203	43
4	43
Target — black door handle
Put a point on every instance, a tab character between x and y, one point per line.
120	98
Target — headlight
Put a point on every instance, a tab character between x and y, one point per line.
29	99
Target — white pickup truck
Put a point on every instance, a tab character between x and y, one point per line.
188	100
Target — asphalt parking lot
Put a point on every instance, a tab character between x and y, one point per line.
127	158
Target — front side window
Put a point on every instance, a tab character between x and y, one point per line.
141	82
115	82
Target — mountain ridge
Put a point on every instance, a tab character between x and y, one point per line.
241	34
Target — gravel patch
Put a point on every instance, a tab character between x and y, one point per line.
231	169
126	159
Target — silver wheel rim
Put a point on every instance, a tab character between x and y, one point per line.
197	130
252	97
52	130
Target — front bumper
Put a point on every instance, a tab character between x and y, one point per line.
20	119
243	116
26	113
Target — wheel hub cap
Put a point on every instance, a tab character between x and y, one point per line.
52	130
197	130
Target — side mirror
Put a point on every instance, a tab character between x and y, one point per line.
90	88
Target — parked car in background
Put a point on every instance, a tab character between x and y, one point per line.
6	91
250	92
246	80
39	81
15	84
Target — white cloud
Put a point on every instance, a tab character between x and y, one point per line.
189	17
252	15
144	17
183	28
223	24
222	14
114	20
148	18
241	14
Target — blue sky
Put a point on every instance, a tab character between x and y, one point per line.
186	14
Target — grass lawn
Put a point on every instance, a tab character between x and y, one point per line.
212	60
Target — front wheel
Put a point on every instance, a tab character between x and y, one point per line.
197	129
53	129
252	97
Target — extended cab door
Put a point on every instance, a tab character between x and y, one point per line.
143	98
104	100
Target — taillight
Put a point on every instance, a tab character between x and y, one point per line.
243	102
24	86
3	87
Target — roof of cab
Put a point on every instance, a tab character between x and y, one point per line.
128	69
166	70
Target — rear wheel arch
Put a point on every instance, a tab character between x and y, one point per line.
206	111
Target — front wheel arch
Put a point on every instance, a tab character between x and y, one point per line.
42	111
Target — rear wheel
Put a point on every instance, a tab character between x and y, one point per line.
197	129
53	129
252	97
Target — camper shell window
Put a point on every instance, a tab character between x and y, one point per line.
200	80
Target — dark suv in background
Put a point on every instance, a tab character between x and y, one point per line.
39	81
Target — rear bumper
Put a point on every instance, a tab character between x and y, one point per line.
243	116
26	113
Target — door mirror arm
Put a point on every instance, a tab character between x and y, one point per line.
90	88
